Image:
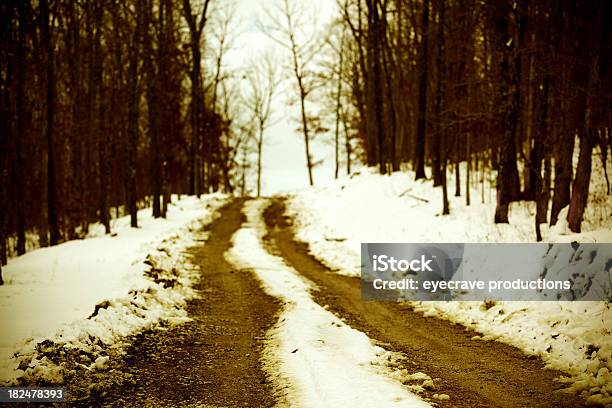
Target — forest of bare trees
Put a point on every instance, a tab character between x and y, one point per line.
105	107
109	106
503	85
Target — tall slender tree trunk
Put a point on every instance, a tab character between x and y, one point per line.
102	130
563	174
338	111
457	168
20	136
539	153
305	127
508	184
5	129
436	144
468	163
445	204
603	145
391	108
580	187
259	156
133	118
52	216
518	62
194	169
419	163
347	142
439	108
378	104
197	104
152	93
563	150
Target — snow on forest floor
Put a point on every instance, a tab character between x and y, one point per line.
75	300
316	358
574	337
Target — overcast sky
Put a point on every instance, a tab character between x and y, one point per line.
284	158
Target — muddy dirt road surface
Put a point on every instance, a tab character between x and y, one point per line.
473	373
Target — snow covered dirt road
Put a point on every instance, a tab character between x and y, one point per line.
214	360
473	373
274	327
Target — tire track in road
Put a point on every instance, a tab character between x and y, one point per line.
473	373
314	358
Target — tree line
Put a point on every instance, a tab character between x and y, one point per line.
506	85
108	105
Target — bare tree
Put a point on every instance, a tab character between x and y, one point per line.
114	122
336	77
52	216
420	136
196	27
294	28
221	21
231	106
262	80
133	115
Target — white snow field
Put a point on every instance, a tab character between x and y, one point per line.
50	294
575	337
315	358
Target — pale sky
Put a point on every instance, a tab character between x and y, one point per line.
284	158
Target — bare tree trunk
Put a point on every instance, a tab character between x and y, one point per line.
563	175
262	80
387	62
439	108
153	109
305	130
467	170
445	204
360	76
539	152
436	141
102	131
4	164
564	138
457	169
603	145
133	118
507	174
589	133
259	154
20	136
195	31
244	166
373	91
302	93
338	111
347	142
51	179
419	164
580	187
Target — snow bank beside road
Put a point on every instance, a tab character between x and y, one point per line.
322	361
50	293
367	207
